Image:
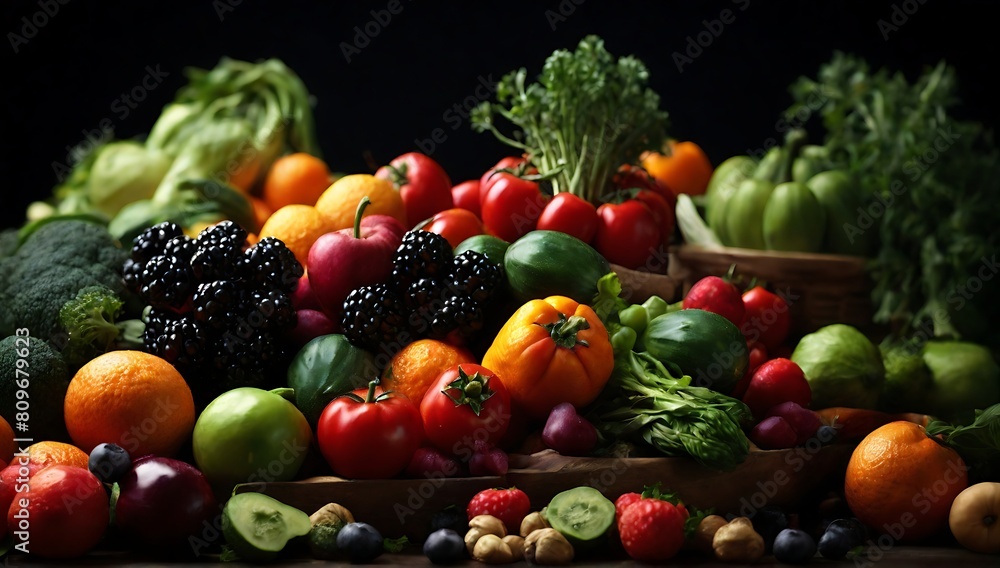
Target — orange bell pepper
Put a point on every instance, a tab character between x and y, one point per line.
682	166
551	351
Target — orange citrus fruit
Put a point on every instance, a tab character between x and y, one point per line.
901	482
261	210
339	202
415	367
298	178
44	454
298	226
130	398
7	444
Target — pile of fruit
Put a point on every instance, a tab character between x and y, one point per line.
237	315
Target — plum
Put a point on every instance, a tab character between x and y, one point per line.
773	433
803	421
311	324
163	501
569	433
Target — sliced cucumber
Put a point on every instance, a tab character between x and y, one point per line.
258	527
582	514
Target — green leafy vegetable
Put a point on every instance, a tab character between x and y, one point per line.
978	443
587	115
930	185
90	321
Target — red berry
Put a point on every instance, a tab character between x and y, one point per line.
624	501
508	505
651	530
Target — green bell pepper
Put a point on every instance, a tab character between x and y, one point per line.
325	368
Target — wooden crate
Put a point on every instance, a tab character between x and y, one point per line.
821	289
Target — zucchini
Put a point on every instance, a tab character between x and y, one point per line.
257	527
551	263
701	344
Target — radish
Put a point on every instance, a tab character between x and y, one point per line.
716	295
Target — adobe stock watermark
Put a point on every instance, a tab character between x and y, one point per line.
457	114
696	44
882	201
32	24
898	16
562	12
224	7
365	33
121	107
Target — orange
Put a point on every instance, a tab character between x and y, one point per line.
339	202
244	176
298	178
44	454
901	482
66	515
298	226
415	367
7	444
130	398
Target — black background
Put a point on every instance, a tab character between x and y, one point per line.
431	56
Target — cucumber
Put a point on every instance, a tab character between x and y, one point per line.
257	527
583	515
699	343
551	263
493	247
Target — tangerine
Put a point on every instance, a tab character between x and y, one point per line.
418	365
130	398
339	203
298	226
295	179
902	482
47	453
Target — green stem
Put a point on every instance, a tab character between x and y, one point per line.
359	214
372	385
564	332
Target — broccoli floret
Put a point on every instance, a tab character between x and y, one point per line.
49	268
91	326
45	374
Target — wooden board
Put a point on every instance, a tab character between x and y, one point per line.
639	285
405	506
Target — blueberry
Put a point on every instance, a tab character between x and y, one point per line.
444	546
451	517
793	546
361	542
841	536
109	462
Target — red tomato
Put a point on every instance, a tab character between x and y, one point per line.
571	215
628	177
662	211
491	175
627	233
758	356
512	207
717	295
466	196
370	435
777	381
423	184
467	403
767	318
455	225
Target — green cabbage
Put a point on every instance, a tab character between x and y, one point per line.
907	378
843	367
965	377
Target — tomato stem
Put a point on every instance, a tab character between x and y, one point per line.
358	214
564	331
372	385
474	390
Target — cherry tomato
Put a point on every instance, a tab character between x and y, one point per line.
492	174
455	225
370	435
422	183
571	215
466	196
767	318
467	403
512	206
627	233
635	177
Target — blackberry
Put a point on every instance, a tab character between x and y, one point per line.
150	242
218	248
422	254
166	282
214	302
270	263
181	247
132	275
156	324
475	276
374	318
183	343
269	310
461	314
